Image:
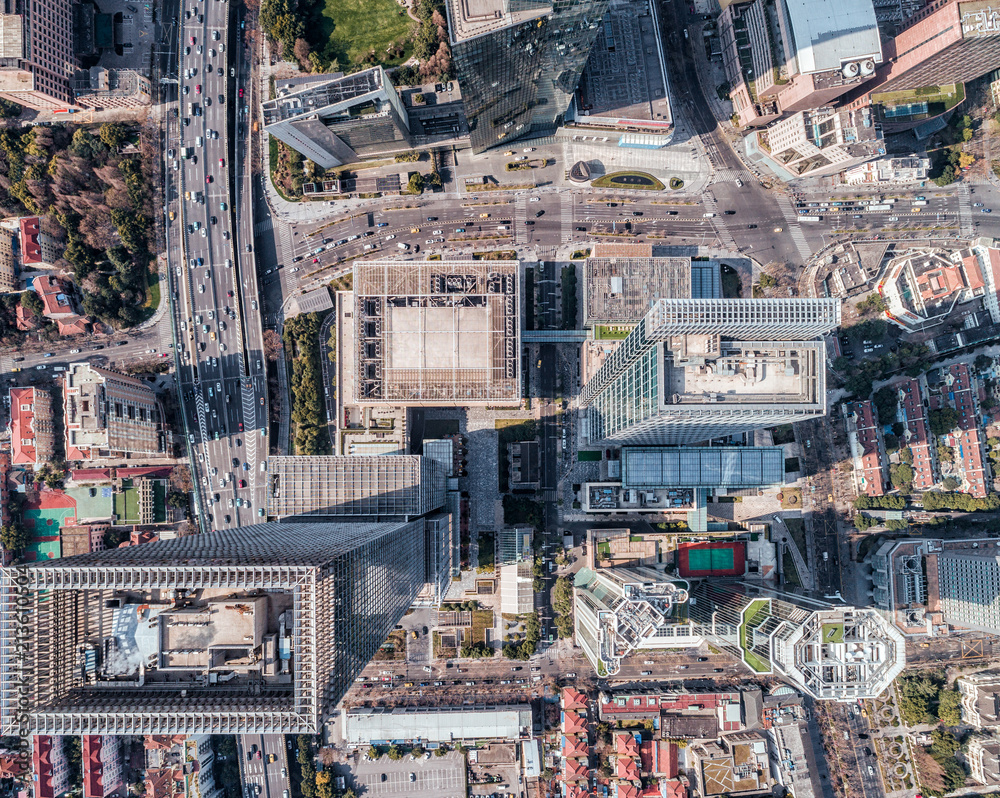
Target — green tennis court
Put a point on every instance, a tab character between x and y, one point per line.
711	559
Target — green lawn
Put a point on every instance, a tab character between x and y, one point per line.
353	27
127	503
833	633
750	617
608	332
641	181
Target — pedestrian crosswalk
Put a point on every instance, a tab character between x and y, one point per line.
727	175
794	227
566	217
966	227
725	237
520	212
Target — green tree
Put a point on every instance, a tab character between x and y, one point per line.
950	483
917	695
373	752
906	456
901	476
113	134
32	302
949	709
983	363
415	184
13	537
394	753
943	420
767	281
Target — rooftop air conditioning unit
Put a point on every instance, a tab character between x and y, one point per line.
868	67
851	69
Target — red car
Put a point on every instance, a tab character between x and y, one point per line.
241	426
241	92
193	40
222	161
229	293
243	483
208	179
197	89
315	260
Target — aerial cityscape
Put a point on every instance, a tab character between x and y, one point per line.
522	398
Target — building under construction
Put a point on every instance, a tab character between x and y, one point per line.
256	629
437	332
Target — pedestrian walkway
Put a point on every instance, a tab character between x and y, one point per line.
794	227
566	217
966	227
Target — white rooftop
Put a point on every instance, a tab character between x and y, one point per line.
437	724
828	33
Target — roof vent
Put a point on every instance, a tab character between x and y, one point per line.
868	67
851	69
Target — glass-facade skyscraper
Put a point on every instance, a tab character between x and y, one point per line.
696	369
258	629
519	62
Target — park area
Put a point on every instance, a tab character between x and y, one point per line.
633	180
349	30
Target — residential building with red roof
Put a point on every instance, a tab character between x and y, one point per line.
626	790
55	297
74	325
31	245
103	767
627	769
575	770
575	747
574	699
573	723
51	768
164	783
864	435
917	435
25	319
626	745
32	426
11	765
961	392
659	758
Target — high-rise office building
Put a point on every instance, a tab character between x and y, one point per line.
519	62
968	583
334	119
692	370
796	55
404	485
37	59
255	629
837	653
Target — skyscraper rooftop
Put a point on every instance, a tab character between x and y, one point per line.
253	629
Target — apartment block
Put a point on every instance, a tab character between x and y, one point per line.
917	437
8	260
109	415
103	767
794	55
980	694
32	426
960	392
983	756
37	58
864	434
50	766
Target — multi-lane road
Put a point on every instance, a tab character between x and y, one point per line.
262	777
216	319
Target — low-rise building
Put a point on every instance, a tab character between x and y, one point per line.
864	434
917	435
983	756
379	725
8	260
736	764
886	171
55	297
109	415
32	426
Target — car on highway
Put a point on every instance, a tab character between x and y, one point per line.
986	210
47	354
751	227
197	89
539	214
390	237
702	659
41	367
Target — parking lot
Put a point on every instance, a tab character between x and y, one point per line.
433	776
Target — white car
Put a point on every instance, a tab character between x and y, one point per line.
535	199
439	232
293	270
74	351
150	351
201	289
529	149
390	237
